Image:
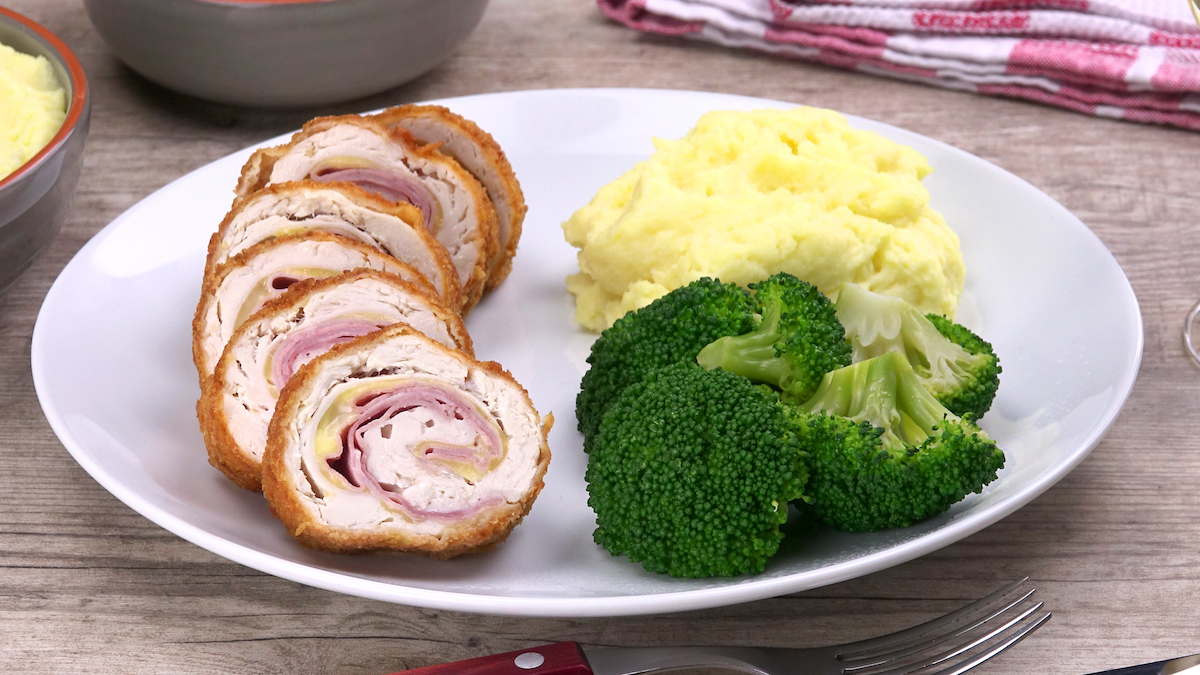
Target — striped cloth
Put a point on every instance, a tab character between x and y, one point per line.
1137	60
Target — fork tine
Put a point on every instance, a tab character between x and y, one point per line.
963	666
960	668
925	663
862	649
930	639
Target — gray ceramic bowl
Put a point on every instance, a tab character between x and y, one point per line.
35	198
283	53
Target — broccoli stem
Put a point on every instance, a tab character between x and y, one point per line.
953	363
797	339
915	401
887	393
753	355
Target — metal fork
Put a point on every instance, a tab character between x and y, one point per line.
949	645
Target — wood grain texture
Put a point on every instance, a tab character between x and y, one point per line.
89	586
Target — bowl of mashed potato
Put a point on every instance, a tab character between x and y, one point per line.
44	117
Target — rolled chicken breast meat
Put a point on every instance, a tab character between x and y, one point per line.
395	442
478	152
243	284
335	208
454	206
267	349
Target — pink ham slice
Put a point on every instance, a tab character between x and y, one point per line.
391	186
447	406
303	346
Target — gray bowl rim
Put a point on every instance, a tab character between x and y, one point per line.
259	4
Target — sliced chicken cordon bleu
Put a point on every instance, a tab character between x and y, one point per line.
454	206
289	331
336	208
243	284
478	152
396	442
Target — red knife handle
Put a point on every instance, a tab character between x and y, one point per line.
560	658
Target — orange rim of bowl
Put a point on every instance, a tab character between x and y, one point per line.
75	105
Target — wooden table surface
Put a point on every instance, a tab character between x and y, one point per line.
89	586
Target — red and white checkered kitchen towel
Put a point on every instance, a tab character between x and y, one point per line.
1137	60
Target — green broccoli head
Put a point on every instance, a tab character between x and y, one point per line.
692	471
974	390
797	340
883	452
672	329
957	366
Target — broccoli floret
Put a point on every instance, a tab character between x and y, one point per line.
797	341
672	329
692	472
883	452
957	366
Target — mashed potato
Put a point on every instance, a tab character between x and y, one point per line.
32	107
746	195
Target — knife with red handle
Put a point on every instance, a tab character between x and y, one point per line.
561	658
568	658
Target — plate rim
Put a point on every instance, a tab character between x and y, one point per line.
740	589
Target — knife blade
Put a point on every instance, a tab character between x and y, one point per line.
1176	666
570	658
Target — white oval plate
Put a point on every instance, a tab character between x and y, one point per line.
112	365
